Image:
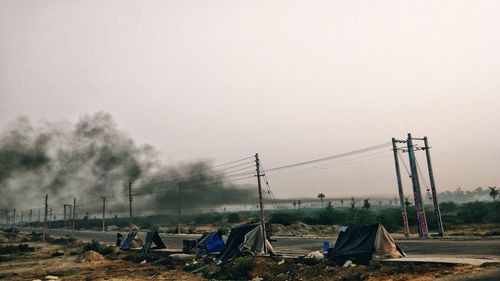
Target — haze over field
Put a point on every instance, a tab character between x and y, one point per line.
221	80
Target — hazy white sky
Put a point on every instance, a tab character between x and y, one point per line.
292	80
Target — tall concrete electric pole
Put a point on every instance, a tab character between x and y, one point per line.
261	203
130	203
422	221
103	198
179	231
404	215
437	212
45	218
74	219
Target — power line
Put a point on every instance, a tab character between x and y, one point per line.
321	168
358	151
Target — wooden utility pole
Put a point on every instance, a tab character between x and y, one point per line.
261	203
437	212
74	219
44	233
179	231
103	213
404	215
130	203
417	193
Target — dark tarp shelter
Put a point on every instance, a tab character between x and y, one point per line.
362	243
210	243
152	237
244	240
133	240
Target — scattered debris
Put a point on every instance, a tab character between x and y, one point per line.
314	255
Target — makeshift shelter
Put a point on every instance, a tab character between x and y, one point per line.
360	244
244	240
152	237
133	240
209	243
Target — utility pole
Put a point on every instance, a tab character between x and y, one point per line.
179	231
130	202
404	215
103	213
50	217
45	218
437	212
261	203
64	206
31	217
417	193
74	219
14	219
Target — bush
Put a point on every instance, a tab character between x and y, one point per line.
285	219
330	216
448	207
22	248
224	230
97	247
475	212
233	218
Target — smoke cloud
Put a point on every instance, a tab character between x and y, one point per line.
92	158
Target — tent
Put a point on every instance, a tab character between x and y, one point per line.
210	243
244	240
152	237
133	240
362	243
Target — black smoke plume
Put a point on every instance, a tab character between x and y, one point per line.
93	158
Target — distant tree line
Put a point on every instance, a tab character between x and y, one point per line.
461	196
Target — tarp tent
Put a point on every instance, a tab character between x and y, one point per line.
244	240
152	237
362	243
210	243
133	240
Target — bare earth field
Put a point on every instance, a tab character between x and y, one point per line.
63	259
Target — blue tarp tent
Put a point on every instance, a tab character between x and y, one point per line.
210	243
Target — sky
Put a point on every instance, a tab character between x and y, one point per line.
291	80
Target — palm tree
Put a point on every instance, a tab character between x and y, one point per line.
493	192
353	203
321	196
366	204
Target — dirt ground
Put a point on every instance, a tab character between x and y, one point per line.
66	260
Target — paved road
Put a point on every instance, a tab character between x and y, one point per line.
300	246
